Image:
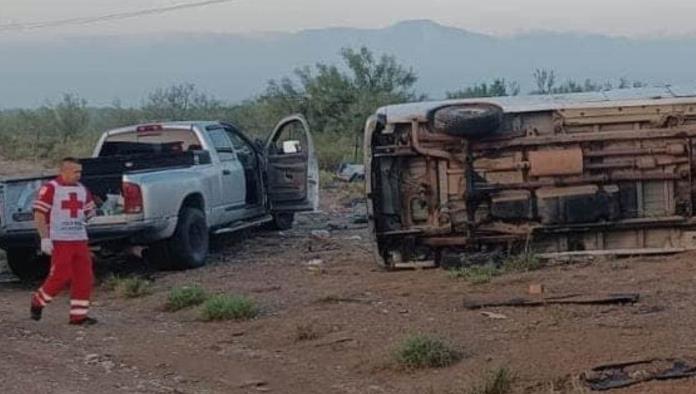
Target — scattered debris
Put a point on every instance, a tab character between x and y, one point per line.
315	262
337	226
493	315
536	289
335	299
102	361
91	358
647	310
349	172
334	341
306	332
253	383
266	289
574	299
614	376
359	212
315	265
320	234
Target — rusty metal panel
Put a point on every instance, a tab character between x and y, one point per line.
556	162
506	177
456	182
660	238
657	199
623	240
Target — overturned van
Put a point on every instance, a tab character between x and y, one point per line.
592	173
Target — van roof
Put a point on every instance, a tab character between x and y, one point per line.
664	95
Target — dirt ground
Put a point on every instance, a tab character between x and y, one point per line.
359	314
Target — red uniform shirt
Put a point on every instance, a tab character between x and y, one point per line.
67	208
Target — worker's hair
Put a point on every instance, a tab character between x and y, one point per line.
69	160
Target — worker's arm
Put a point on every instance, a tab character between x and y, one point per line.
90	207
42	208
41	224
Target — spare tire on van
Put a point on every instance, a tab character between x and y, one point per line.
467	120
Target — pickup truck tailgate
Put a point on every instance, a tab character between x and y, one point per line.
16	200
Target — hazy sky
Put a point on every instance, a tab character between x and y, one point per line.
615	17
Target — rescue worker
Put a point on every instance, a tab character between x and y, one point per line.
61	211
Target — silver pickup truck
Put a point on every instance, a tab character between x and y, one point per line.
168	186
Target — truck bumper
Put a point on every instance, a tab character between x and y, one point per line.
137	233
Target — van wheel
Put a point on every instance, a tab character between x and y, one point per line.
187	248
27	264
283	221
468	121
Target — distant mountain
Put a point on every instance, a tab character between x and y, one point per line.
235	67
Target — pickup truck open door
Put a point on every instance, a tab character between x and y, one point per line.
292	167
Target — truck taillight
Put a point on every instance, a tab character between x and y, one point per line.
132	198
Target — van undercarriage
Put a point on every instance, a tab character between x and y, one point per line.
583	178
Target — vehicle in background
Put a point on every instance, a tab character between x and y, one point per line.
349	172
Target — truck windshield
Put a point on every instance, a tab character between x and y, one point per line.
157	142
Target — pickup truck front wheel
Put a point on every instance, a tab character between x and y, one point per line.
187	248
27	264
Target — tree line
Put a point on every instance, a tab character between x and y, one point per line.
335	98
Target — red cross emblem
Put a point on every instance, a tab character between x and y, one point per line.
72	204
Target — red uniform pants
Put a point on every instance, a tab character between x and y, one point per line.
71	264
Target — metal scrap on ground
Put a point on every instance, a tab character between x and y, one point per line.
349	172
573	299
614	376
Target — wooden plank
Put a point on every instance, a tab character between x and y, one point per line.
619	298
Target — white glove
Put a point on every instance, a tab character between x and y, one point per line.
47	246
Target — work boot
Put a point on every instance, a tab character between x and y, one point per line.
35	312
87	321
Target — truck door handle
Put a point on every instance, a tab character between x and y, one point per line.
226	172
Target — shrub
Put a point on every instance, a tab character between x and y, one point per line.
184	297
334	148
476	274
423	351
524	262
226	307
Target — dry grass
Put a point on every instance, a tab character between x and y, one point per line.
129	287
306	332
425	351
498	381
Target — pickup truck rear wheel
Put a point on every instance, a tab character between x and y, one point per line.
27	264
283	220
187	248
